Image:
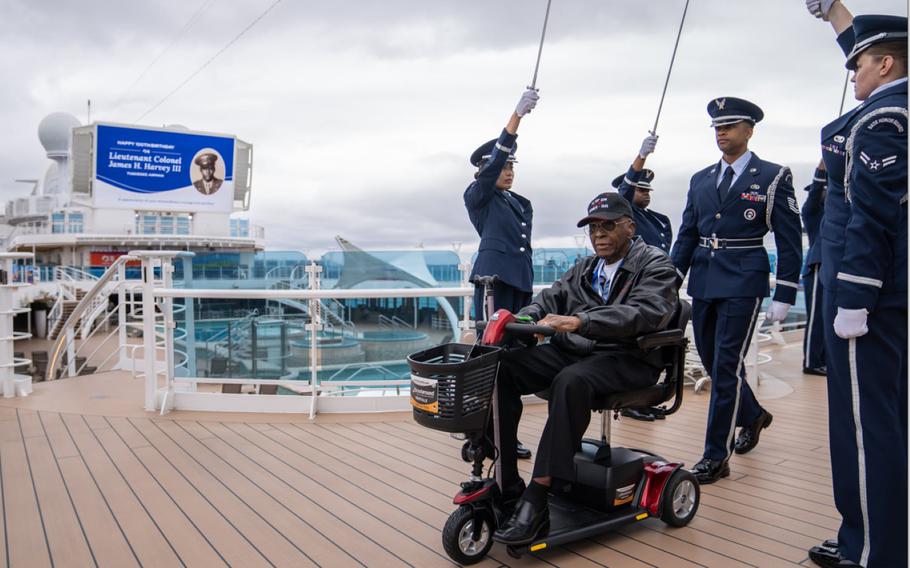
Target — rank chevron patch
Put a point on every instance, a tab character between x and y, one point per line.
875	165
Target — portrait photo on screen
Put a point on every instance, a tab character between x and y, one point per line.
207	171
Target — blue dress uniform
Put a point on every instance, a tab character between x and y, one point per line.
503	221
654	228
864	265
722	243
814	338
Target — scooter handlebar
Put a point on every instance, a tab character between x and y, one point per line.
522	329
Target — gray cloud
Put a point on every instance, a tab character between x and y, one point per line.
363	114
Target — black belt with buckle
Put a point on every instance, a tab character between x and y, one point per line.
715	243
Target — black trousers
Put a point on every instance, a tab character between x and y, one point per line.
573	381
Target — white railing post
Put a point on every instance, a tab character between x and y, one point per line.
313	271
167	270
121	314
70	352
148	332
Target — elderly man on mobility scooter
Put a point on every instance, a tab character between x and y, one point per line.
598	309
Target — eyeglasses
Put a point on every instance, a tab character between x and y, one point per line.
603	226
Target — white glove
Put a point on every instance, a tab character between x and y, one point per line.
851	323
820	8
527	102
647	146
777	311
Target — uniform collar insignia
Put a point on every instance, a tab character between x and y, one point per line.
753	170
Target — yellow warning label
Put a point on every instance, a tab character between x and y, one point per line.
424	394
618	502
432	408
537	547
641	516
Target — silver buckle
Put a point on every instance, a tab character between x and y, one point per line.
715	243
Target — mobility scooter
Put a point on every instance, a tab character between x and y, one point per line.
453	390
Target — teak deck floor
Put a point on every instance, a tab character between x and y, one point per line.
89	484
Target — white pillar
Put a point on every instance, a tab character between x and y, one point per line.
313	271
148	332
122	315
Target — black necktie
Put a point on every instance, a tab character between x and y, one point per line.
725	184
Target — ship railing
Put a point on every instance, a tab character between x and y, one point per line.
86	314
165	390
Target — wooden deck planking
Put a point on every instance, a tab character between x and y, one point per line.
213	490
26	544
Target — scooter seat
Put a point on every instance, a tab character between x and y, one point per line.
641	398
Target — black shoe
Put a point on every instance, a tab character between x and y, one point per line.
820	371
748	435
827	555
526	523
708	471
522	452
643	414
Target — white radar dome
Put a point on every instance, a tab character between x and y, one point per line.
55	132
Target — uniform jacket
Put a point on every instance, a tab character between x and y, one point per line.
642	299
864	231
504	225
200	186
653	227
761	200
812	212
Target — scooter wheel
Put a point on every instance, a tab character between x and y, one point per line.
513	552
458	535
681	496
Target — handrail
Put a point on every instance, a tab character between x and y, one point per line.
77	313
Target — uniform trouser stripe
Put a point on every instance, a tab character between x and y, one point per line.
861	452
739	374
807	342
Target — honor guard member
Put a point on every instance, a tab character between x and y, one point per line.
814	337
635	185
731	206
503	221
864	274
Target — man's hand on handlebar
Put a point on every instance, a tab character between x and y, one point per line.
566	324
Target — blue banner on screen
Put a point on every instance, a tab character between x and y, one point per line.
137	168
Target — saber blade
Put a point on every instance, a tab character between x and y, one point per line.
543	34
670	70
843	97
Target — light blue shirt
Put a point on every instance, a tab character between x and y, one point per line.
739	166
603	277
889	84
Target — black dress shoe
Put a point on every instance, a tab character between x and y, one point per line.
643	414
748	435
708	471
827	555
526	523
522	452
820	371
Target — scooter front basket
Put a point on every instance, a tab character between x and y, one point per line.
452	386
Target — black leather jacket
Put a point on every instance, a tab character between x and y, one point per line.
642	299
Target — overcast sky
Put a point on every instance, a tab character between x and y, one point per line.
363	113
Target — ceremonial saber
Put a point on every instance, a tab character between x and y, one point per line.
670	70
843	96
543	34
